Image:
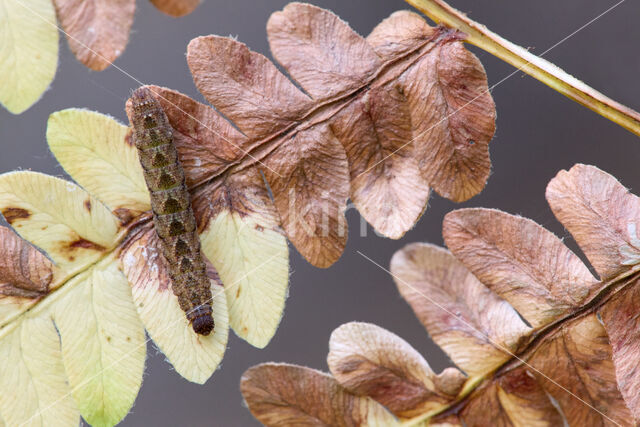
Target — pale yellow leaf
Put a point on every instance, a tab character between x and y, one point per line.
253	263
33	386
103	343
12	307
94	149
194	356
244	242
72	226
28	51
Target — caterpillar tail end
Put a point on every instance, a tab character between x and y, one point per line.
202	321
203	325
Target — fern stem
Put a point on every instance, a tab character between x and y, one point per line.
535	66
471	384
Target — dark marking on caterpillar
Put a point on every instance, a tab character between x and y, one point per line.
173	216
13	214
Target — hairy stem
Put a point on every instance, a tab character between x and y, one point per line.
535	66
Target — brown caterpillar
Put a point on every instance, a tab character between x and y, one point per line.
173	217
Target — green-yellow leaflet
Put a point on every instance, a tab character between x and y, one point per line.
101	340
28	51
72	327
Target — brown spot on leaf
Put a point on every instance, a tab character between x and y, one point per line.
128	139
124	215
87	205
519	381
13	214
86	244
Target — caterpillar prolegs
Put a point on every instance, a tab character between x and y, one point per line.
173	216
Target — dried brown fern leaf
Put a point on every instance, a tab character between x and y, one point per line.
98	30
539	339
295	395
100	236
380	120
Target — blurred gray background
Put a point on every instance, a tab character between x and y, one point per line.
539	132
